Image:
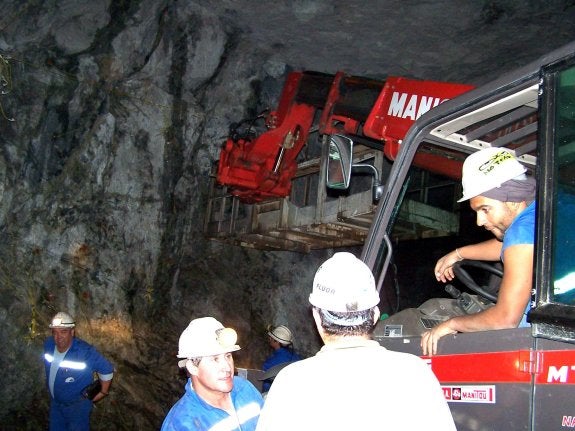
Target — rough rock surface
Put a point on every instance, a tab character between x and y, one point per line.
113	115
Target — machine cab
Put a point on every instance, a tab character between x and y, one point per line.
514	379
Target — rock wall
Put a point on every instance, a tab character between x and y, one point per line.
112	115
117	111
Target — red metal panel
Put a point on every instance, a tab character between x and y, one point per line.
438	164
556	367
264	167
549	367
401	102
330	123
493	367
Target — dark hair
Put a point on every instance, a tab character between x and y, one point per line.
351	323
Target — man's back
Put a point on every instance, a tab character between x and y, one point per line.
356	382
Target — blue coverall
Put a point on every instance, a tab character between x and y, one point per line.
279	356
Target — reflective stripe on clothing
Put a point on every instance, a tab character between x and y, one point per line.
243	415
75	369
75	365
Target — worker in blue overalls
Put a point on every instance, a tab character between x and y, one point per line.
280	340
70	366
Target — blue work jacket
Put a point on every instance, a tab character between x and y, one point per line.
192	413
76	370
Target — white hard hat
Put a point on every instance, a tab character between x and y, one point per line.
206	337
281	334
62	320
487	169
343	283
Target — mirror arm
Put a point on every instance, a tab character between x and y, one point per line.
377	187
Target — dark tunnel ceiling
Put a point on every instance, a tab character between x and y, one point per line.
468	41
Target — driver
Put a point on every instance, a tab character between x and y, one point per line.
503	197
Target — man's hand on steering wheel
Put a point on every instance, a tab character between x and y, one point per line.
464	276
444	266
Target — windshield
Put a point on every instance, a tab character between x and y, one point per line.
563	252
424	223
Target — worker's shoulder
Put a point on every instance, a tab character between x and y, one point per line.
296	368
81	344
408	358
377	350
381	357
84	348
329	357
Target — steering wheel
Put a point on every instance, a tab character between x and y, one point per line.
488	292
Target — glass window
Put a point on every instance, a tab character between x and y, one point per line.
422	226
563	253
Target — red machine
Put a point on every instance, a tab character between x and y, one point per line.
501	379
375	113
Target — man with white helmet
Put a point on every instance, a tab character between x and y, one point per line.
503	197
70	365
215	399
353	382
280	340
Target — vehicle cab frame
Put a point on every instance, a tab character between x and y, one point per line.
514	379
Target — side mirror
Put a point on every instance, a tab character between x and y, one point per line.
339	162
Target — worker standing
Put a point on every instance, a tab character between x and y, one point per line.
215	399
70	366
280	340
353	382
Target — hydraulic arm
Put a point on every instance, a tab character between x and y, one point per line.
372	112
